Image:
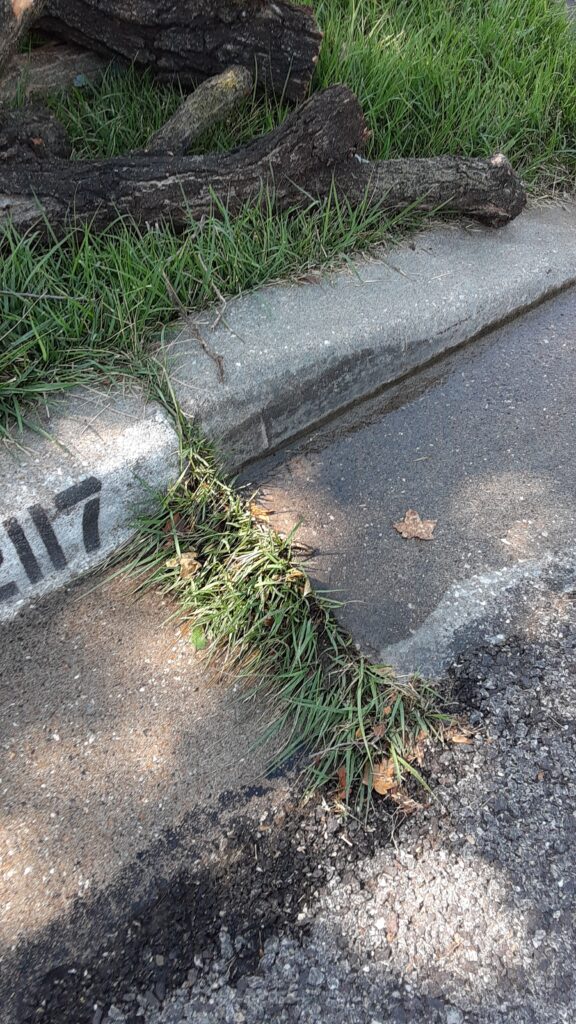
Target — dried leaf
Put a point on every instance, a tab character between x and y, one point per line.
406	804
379	730
417	751
296	575
259	513
413	526
459	733
384	776
189	564
341	794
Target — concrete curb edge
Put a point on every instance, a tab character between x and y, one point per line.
293	355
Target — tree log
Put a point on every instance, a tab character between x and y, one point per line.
487	189
195	39
15	17
151	188
316	145
209	103
32	133
48	69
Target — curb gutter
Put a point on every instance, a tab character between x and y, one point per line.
292	354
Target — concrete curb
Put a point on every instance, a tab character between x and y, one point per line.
293	355
70	495
296	354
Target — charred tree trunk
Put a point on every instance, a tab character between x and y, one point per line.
15	17
151	188
316	145
194	39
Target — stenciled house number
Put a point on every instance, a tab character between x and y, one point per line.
87	492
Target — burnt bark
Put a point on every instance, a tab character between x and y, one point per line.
15	17
317	145
32	133
47	69
193	39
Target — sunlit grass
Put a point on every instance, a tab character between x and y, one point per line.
462	76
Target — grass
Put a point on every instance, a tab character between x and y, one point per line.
247	600
433	76
467	76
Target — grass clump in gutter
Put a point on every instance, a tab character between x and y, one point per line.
246	598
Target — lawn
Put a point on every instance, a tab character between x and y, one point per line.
433	76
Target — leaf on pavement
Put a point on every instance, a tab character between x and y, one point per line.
406	804
259	513
412	526
459	733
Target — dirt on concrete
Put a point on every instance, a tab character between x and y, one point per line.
112	731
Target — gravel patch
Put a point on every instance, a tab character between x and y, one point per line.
461	914
466	913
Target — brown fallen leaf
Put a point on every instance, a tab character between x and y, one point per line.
412	526
296	575
187	562
341	793
459	733
384	776
417	751
259	513
406	804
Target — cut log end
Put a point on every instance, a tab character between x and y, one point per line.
488	190
48	69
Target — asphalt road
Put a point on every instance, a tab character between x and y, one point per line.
484	443
144	867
